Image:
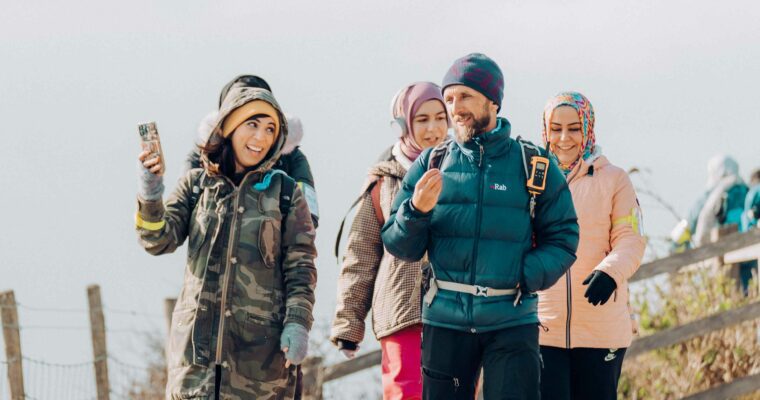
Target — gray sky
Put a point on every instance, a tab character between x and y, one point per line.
672	84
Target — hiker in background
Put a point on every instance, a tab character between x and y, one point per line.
752	202
373	279
748	269
292	160
470	212
242	320
722	204
586	314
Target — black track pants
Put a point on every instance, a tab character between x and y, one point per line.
580	373
451	361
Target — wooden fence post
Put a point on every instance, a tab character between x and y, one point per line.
12	344
313	377
168	310
98	329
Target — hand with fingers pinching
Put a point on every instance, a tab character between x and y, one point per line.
427	190
294	342
151	182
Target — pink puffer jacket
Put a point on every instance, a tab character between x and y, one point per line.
609	218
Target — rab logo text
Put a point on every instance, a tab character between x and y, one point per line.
500	187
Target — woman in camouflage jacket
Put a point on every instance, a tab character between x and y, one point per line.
242	318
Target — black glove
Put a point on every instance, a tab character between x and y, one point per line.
348	348
600	287
346	344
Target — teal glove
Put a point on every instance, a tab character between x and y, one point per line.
294	342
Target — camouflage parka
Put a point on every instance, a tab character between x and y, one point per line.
249	271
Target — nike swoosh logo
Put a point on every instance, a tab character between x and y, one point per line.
610	357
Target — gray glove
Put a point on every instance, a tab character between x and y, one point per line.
150	186
294	341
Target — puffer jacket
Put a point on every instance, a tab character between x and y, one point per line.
249	271
372	278
480	232
610	241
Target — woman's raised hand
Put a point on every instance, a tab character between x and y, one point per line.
152	164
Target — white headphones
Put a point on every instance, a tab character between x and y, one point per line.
398	122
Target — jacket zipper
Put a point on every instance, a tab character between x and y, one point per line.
477	230
569	309
229	273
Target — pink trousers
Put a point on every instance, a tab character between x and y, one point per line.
402	379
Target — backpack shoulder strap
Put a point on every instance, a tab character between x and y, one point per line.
195	190
375	196
437	155
536	166
378	211
287	188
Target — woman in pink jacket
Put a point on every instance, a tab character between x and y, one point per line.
586	314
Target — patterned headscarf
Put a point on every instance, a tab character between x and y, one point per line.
586	114
404	107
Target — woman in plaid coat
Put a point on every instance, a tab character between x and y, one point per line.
371	278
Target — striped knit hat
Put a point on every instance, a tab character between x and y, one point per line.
477	72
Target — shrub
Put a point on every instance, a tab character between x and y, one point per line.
700	363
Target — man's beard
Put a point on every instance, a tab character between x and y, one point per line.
466	133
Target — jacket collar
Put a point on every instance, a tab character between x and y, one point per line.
494	143
585	167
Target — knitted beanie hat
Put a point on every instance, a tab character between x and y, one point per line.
477	72
246	111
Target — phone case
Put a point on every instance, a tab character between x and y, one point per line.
151	141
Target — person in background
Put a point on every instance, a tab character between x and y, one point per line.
720	205
373	279
748	269
586	313
752	202
292	161
242	320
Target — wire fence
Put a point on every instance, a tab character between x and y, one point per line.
44	380
76	381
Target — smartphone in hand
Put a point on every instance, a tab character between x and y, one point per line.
151	142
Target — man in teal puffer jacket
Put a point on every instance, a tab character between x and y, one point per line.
472	217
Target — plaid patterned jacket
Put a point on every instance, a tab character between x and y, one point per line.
370	277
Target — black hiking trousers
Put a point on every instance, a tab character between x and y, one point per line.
580	373
451	362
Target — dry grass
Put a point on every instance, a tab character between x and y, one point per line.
152	386
700	363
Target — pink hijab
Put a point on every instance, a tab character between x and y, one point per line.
405	105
